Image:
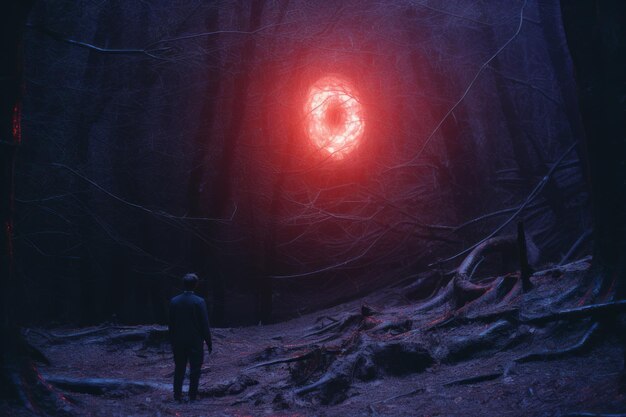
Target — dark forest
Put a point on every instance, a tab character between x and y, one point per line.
396	208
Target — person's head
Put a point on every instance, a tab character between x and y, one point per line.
190	281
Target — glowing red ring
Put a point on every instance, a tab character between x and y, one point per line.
334	117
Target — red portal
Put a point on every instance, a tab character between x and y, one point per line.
334	116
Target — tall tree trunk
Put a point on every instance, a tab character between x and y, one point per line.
220	204
82	287
263	284
18	375
597	40
202	258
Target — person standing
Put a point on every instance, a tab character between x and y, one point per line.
189	330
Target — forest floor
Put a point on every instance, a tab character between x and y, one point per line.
389	354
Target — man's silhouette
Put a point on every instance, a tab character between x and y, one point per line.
189	329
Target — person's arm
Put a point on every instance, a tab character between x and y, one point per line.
204	322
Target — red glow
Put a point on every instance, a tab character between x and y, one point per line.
334	119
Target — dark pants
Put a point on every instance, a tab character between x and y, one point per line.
183	354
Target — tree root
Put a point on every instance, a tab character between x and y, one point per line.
474	379
150	337
298	358
394	327
495	292
599	311
463	381
510	315
443	296
101	386
367	363
466	291
82	333
336	325
334	384
323	329
490	245
21	381
325	380
233	386
424	287
579	242
579	347
500	335
406	394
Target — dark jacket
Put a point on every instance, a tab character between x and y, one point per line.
189	321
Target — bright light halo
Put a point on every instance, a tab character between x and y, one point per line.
334	117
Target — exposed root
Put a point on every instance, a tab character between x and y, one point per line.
508	298
501	288
101	386
324	329
84	333
322	318
397	358
149	337
579	347
329	374
443	296
579	242
231	387
114	335
424	287
367	363
510	315
490	245
406	394
333	385
498	336
474	379
21	381
394	327
337	325
598	311
466	291
298	358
